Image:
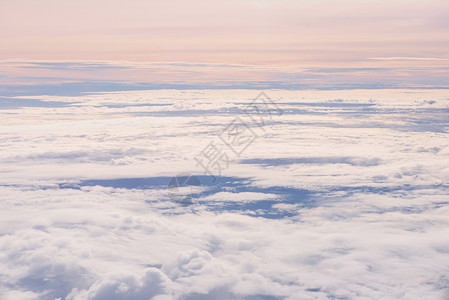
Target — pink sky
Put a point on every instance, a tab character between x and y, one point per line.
262	34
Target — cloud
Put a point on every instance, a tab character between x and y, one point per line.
126	286
354	161
409	58
75	78
323	205
239	197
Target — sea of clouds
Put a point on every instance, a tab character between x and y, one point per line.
344	195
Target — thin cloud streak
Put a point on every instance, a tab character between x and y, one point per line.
27	77
408	58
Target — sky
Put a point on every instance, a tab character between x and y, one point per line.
320	44
316	134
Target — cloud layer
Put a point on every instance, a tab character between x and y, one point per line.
343	197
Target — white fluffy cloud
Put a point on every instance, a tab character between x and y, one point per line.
344	197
